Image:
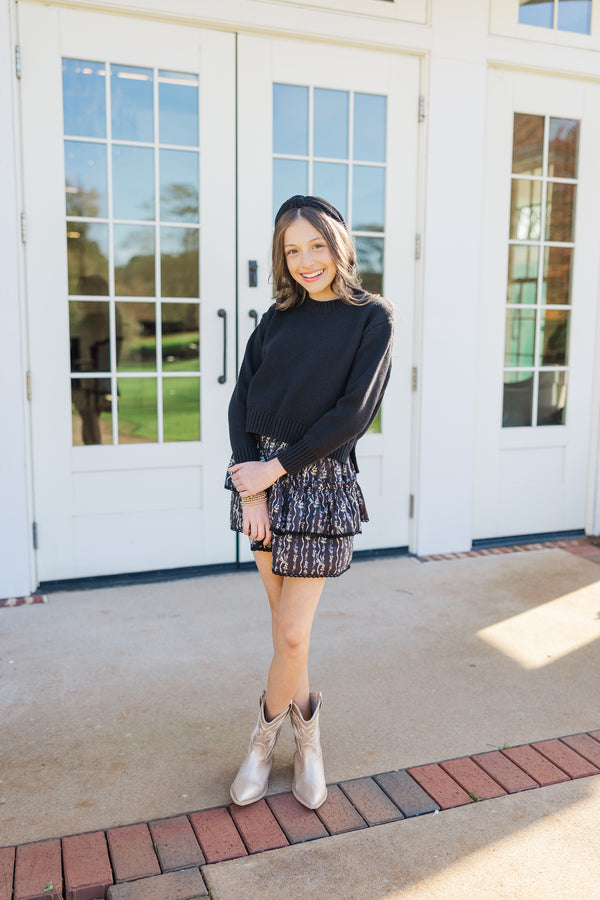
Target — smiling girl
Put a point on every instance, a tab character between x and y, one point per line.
310	384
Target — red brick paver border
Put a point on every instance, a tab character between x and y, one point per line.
584	547
164	857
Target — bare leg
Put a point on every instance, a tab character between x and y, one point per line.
293	605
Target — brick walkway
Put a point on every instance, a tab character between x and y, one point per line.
162	860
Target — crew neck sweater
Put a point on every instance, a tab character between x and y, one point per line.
312	376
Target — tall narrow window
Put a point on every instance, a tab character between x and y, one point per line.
540	265
132	217
565	15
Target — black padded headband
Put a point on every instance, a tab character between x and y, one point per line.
298	201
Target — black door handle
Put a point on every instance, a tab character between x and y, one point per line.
253	315
222	313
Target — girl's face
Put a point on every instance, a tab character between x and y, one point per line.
309	259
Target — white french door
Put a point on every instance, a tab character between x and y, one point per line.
339	123
535	414
129	161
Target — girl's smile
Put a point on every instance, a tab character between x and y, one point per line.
309	259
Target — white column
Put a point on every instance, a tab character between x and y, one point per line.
16	577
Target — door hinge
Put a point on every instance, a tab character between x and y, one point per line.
28	379
18	60
34	530
23	228
411	506
421	107
417	246
414	379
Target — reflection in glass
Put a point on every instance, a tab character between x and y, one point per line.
552	398
179	261
89	336
133	182
86	179
563	141
290	176
536	12
178	108
554	332
575	15
368	198
87	258
522	273
132	104
370	111
84	98
136	335
528	144
520	337
369	251
137	410
180	337
556	285
134	260
330	124
179	186
518	398
560	211
330	180
525	210
91	411
290	119
181	409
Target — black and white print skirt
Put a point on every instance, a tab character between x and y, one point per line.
314	516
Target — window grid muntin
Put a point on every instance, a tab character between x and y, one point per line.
540	307
555	26
112	298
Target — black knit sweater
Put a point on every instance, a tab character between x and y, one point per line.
312	376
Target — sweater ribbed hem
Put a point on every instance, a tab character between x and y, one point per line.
259	421
302	454
245	454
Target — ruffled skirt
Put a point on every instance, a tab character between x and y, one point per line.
314	516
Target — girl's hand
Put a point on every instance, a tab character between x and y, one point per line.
253	477
256	522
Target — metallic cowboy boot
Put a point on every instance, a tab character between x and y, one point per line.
252	780
308	786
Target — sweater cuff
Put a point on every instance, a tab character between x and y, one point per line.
296	457
245	454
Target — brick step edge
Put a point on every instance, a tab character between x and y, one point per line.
213	835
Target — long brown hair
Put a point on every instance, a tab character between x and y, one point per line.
345	285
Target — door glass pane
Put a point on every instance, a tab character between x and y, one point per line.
528	144
556	286
522	273
368	198
180	337
132	104
552	399
136	337
178	108
137	410
575	15
90	336
87	258
91	411
330	126
181	409
134	260
330	180
370	118
180	274
520	337
290	119
369	251
84	98
536	12
554	329
290	176
560	211
525	210
86	184
133	182
179	186
562	148
518	399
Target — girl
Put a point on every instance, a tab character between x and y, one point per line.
311	382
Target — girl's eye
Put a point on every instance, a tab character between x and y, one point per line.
289	253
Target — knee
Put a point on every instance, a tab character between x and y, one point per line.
291	642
